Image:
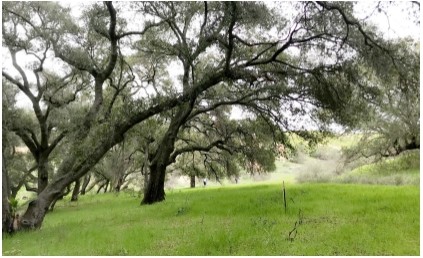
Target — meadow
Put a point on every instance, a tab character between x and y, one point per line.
372	209
331	219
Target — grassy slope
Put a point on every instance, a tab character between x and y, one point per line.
399	170
237	220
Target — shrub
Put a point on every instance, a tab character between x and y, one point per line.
326	153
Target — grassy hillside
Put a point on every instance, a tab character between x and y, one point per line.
326	164
399	170
233	220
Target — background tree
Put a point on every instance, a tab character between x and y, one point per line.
47	93
393	123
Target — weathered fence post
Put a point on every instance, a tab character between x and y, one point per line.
284	194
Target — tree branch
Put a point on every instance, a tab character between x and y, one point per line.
178	152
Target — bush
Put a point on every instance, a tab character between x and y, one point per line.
326	153
318	171
299	158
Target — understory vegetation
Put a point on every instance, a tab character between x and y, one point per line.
330	219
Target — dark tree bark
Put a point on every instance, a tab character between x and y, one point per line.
107	185
42	172
91	187
75	191
7	219
119	184
85	183
101	187
155	188
192	181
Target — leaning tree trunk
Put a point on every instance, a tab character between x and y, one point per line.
101	187
71	169
85	183
37	209
7	219
155	188
75	191
107	185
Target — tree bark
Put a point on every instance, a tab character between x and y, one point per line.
42	172
107	185
145	168
7	219
35	213
85	183
71	169
90	187
101	187
155	188
192	181
146	179
119	184
75	191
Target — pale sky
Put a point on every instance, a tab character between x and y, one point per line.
396	22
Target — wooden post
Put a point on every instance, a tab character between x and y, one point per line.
284	194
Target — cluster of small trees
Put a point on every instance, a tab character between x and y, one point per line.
105	106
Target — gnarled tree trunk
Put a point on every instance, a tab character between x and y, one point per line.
42	172
155	188
37	209
70	170
6	211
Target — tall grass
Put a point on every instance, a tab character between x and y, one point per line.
237	220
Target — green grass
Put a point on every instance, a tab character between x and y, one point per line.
346	140
233	220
